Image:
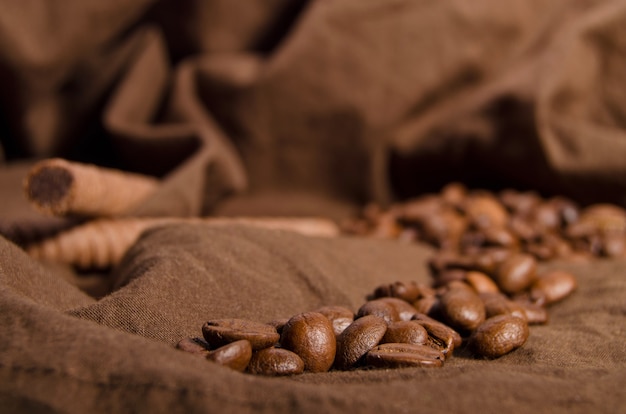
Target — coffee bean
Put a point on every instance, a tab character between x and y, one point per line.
480	282
358	338
553	287
340	317
235	355
462	308
406	332
311	336
441	335
497	303
219	332
408	291
381	308
449	275
405	309
397	355
498	336
516	273
275	362
484	211
426	304
454	194
613	244
197	346
535	314
278	324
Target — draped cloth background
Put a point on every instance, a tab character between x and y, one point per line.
299	108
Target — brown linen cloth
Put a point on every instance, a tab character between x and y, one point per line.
299	107
63	351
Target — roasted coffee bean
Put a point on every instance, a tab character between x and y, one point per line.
358	338
447	276
444	228
426	304
405	309
275	362
219	332
498	336
480	282
462	308
379	308
443	337
400	355
540	251
613	244
500	237
454	194
484	211
488	259
522	203
311	336
278	324
406	332
516	273
536	314
546	216
408	291
197	346
497	303
340	317
553	286
235	355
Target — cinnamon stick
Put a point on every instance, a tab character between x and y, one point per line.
60	187
102	243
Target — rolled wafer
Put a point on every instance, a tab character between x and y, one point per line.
102	243
60	187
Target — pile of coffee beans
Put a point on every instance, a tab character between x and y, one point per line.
472	222
403	324
486	288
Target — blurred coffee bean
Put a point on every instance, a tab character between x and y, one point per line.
516	273
311	336
357	339
400	355
381	308
339	316
448	276
404	309
408	291
275	362
613	244
219	332
406	332
497	303
278	324
236	355
462	308
519	203
453	194
196	346
498	336
426	304
546	216
443	228
483	210
536	314
480	282
553	286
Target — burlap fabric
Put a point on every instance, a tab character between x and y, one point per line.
299	107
